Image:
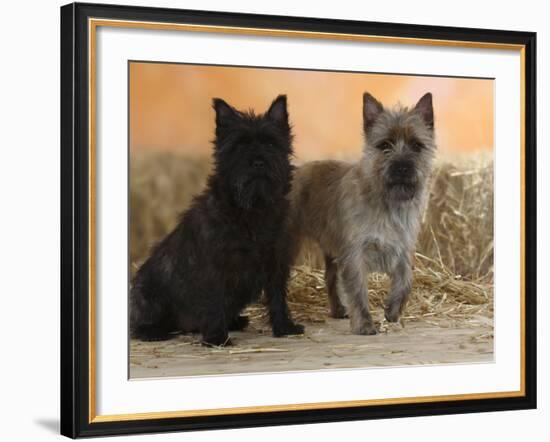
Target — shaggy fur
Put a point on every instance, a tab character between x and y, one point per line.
230	244
366	216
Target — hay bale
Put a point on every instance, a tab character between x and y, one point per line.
162	185
457	229
453	275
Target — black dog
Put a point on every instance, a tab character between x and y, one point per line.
230	244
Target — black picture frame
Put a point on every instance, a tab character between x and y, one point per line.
75	398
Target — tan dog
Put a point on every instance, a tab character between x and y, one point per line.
366	215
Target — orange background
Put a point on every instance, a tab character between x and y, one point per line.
170	106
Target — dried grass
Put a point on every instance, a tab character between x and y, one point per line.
458	225
438	296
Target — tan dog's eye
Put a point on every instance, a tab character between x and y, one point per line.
417	146
384	146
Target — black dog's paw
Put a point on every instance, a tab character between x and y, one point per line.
151	334
157	338
289	328
239	323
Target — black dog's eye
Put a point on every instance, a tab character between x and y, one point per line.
384	146
417	146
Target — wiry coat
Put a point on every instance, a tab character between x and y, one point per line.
366	215
230	244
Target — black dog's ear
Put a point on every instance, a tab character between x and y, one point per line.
425	108
224	113
371	109
278	111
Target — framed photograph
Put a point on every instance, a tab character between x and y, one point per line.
274	220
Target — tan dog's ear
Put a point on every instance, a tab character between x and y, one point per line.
425	108
371	109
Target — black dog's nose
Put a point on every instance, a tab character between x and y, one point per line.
258	164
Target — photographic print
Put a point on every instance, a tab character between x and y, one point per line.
377	189
282	220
